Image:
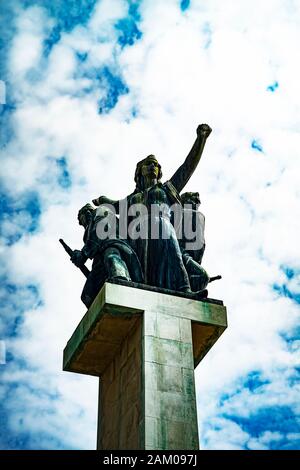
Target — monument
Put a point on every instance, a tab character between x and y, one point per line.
149	320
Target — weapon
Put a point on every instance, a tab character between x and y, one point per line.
215	278
70	252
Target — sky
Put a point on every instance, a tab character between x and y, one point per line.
92	87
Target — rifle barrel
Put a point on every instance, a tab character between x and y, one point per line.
82	268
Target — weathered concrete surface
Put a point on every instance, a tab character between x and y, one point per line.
145	345
120	392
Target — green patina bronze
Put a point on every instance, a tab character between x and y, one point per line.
165	261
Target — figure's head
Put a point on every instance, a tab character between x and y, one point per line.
191	198
85	214
148	167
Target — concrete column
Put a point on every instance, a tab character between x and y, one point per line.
170	416
144	345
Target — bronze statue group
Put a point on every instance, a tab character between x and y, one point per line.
169	260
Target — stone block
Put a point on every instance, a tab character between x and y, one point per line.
185	330
188	383
170	378
168	327
170	405
129	436
151	375
162	351
151	432
150	324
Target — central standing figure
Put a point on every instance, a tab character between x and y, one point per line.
161	257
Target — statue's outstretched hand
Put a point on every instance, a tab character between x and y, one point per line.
78	258
203	131
100	200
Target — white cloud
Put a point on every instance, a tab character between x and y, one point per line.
223	434
32	26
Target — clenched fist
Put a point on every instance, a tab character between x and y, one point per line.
78	258
203	131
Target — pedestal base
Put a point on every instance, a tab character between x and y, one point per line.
144	345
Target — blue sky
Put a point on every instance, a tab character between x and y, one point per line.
91	88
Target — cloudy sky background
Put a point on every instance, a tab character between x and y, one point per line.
91	88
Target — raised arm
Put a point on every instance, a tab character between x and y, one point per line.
105	200
185	171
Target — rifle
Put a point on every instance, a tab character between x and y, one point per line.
70	252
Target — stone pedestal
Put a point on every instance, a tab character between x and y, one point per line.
144	346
